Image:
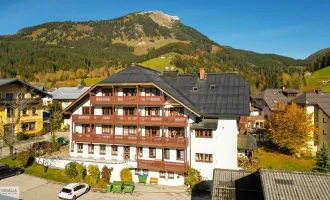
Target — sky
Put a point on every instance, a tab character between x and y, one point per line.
294	28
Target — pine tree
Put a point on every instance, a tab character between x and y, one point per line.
322	160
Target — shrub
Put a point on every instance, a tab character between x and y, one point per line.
94	173
126	175
201	187
70	169
81	171
106	174
193	177
24	159
54	145
22	136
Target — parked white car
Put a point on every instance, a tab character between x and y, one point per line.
73	190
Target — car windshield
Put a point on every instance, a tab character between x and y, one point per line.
66	190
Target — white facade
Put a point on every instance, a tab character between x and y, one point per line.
222	146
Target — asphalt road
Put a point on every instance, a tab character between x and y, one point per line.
34	188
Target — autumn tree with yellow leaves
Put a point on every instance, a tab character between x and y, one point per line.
292	129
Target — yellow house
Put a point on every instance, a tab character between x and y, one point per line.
20	106
318	103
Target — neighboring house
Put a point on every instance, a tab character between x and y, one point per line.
318	104
271	100
161	123
67	95
31	121
267	184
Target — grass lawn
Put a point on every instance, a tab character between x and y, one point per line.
159	64
52	174
284	162
320	75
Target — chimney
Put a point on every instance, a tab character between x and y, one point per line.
201	73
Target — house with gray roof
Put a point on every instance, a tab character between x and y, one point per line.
269	184
160	123
270	100
67	95
317	103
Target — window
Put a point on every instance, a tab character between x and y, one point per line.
170	175
80	148
129	91
72	146
24	112
85	110
152	152
150	111
107	110
203	133
107	129
129	130
9	95
324	132
86	129
162	174
167	154
91	148
176	132
8	129
179	154
10	112
114	150
145	171
106	92
31	126
324	120
212	87
102	149
152	92
202	157
129	111
195	88
137	171
140	152
177	111
34	111
152	131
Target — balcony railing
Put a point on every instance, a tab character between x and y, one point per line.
127	100
130	139
131	120
162	165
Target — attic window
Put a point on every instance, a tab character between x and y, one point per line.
212	87
284	182
195	88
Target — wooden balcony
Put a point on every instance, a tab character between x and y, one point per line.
253	118
163	141
125	139
91	137
150	120
102	100
103	119
82	119
126	119
162	165
151	100
175	121
175	142
127	100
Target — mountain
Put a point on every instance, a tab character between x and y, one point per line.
313	57
34	52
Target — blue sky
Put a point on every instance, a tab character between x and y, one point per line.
294	28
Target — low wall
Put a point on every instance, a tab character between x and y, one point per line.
59	163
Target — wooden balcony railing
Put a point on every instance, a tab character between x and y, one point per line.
144	100
162	166
130	139
253	118
131	120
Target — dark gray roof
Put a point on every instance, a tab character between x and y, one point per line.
218	94
272	96
205	124
6	81
322	99
295	185
236	184
246	142
69	93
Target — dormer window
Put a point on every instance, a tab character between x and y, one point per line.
195	88
212	87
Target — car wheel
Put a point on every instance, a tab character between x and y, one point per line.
74	198
86	190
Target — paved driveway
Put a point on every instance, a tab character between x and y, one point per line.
35	188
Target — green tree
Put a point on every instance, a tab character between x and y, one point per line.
193	177
322	160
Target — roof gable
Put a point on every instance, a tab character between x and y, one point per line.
6	81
